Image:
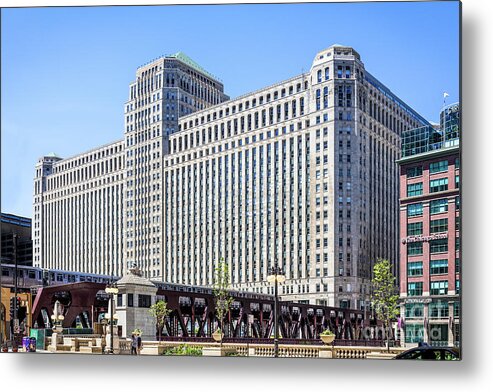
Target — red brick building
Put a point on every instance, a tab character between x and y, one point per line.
430	262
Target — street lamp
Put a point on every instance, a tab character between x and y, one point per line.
57	317
276	276
111	290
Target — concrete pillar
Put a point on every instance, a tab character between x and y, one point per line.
451	323
426	322
403	327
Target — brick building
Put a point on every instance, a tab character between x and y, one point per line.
430	262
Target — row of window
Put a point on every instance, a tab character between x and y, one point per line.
436	246
436	207
437	185
436	309
143	301
70	164
236	143
436	226
437	267
243	105
434	167
436	288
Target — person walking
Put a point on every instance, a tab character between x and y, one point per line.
139	343
135	344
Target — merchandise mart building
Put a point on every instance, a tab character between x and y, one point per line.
430	257
302	173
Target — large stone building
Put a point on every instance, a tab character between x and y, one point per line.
16	240
302	172
430	262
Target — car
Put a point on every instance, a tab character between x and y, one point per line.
425	352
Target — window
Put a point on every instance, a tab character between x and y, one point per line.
415	228
439	185
457	286
415	248
415	189
130	300
457	163
119	300
415	209
144	301
438	267
438	206
414	171
457	309
439	246
457	202
437	167
457	181
415	268
438	309
439	288
414	310
457	266
439	225
415	288
414	333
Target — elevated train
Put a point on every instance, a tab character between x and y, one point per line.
29	276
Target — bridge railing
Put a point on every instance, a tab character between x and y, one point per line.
337	342
287	350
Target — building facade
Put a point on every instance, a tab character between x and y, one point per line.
78	211
302	173
99	211
20	247
430	262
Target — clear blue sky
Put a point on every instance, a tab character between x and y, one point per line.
65	71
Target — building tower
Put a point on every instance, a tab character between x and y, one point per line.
164	90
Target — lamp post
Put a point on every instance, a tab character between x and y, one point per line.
276	277
15	323
111	290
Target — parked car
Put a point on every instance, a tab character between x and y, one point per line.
426	352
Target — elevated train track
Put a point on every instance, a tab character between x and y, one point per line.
193	312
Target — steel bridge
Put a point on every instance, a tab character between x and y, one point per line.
251	315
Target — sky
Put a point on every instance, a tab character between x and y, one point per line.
65	71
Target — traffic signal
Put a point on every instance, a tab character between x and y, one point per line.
13	306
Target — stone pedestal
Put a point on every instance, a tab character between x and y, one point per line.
325	352
57	343
116	340
217	351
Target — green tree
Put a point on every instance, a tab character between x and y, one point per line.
222	299
160	311
384	295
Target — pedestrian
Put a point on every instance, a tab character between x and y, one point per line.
139	343
135	344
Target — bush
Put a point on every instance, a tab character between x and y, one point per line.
184	349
